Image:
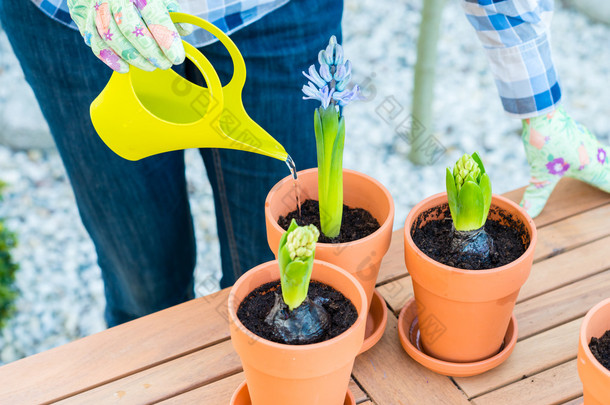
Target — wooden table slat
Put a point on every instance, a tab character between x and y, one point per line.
576	401
572	232
531	356
566	268
217	393
359	395
569	198
393	263
220	392
397	293
390	376
552	386
561	305
168	379
59	371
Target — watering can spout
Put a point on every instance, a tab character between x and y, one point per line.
255	139
140	114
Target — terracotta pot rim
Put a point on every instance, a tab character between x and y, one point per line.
585	342
528	222
362	315
386	223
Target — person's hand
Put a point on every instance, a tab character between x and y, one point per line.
136	32
557	146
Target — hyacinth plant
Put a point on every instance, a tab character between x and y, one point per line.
328	85
469	196
296	254
295	318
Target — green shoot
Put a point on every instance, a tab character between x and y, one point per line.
469	193
296	254
330	136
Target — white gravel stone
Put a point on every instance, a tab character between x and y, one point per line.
61	288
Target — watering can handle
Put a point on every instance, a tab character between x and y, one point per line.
239	66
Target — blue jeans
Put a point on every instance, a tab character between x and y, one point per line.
137	213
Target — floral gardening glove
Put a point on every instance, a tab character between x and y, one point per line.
557	146
136	32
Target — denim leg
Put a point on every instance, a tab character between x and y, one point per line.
137	213
276	49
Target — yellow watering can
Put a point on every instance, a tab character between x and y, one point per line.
139	113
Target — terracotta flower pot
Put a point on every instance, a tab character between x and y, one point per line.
464	314
595	377
280	374
362	258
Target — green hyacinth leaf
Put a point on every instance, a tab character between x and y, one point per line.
485	186
330	126
295	282
477	158
283	254
470	207
330	184
334	202
451	194
295	258
471	177
319	131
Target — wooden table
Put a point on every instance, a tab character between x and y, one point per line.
183	355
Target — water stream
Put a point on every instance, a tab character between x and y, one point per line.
297	192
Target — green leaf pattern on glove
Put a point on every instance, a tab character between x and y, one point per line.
136	32
557	146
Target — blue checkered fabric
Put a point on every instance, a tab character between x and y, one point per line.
228	15
515	35
58	10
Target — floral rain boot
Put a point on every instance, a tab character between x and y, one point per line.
558	146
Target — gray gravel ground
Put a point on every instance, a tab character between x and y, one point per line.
62	293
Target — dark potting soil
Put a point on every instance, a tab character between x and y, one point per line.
434	239
600	347
356	223
254	309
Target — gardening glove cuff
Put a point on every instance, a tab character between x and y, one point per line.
136	32
557	146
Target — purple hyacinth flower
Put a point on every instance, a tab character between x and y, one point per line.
325	73
558	166
315	77
323	95
338	54
343	70
330	87
326	95
347	96
601	155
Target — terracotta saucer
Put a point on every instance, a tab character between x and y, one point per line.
375	322
408	331
241	396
